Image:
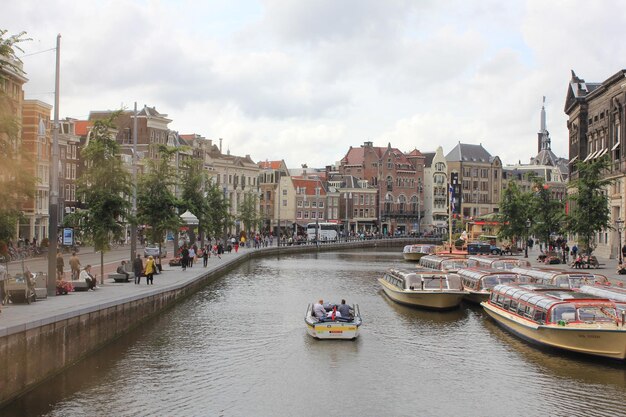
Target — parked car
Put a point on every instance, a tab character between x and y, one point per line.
152	249
495	250
478	248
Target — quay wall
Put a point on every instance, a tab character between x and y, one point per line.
32	353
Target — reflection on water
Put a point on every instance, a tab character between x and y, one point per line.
239	348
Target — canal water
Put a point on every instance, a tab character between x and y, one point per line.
239	348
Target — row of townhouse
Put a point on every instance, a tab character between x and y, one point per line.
370	190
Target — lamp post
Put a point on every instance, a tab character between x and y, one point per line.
528	224
346	227
619	223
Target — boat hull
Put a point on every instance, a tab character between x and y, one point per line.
606	340
332	330
434	300
476	297
414	256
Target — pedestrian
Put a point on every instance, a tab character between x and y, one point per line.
60	265
192	256
574	250
236	247
624	252
89	278
150	270
75	266
205	256
184	259
138	268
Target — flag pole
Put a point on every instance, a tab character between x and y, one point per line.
450	217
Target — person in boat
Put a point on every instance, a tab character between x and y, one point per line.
318	309
344	310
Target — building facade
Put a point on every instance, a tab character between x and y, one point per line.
399	179
596	114
436	181
37	145
479	177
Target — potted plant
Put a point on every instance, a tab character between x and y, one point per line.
64	287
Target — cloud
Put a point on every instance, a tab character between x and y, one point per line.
304	81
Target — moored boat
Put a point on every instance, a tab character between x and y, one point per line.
425	289
497	262
415	252
559	318
560	278
333	326
443	263
478	282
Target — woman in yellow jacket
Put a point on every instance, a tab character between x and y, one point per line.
150	269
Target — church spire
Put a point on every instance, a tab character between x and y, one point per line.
543	137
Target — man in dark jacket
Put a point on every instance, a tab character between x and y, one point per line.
138	268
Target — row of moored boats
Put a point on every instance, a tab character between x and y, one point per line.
573	310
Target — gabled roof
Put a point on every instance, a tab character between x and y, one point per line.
428	158
270	164
465	152
81	127
309	185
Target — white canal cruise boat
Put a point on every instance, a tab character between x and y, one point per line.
421	288
333	326
560	318
415	252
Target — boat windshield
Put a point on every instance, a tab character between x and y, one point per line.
596	313
491	281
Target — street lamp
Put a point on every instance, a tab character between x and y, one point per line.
528	224
619	223
346	227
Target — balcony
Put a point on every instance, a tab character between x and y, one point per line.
401	214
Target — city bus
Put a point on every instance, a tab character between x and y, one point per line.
325	232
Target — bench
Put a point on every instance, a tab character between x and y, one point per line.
121	277
128	267
80	286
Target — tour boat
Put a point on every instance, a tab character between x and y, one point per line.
425	289
612	293
497	262
443	263
560	318
415	252
478	282
333	326
560	278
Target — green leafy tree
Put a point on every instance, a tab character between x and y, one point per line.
193	184
514	213
104	187
17	184
217	217
547	214
589	211
156	203
248	213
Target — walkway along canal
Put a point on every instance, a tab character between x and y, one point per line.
40	340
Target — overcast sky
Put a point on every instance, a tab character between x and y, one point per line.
305	80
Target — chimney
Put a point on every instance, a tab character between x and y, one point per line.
220	145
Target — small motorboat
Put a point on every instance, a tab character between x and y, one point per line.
333	326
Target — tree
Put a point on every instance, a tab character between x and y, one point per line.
547	214
514	212
589	211
248	213
104	187
193	183
156	203
17	184
217	217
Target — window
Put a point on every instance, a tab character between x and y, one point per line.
306	204
299	203
306	214
320	204
284	192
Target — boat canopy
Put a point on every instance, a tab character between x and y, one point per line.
419	249
412	279
563	279
616	294
543	296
